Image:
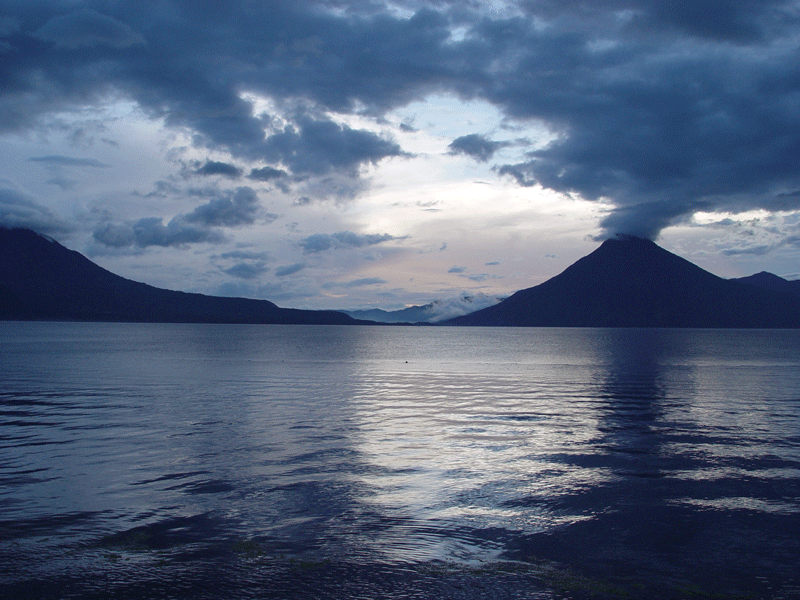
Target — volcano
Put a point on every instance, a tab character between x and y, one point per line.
633	282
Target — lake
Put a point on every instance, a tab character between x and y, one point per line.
263	461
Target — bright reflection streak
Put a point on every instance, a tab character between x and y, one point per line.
449	448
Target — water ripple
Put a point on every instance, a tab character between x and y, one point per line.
194	461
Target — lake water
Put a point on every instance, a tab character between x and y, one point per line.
205	461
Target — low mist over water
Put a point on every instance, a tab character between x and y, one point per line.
208	461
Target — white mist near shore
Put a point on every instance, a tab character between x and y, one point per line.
441	310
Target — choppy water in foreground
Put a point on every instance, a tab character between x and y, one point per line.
204	461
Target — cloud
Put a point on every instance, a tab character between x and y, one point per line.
289	269
19	209
356	283
723	20
58	165
85	28
8	25
320	146
778	236
246	270
466	303
321	242
662	126
232	209
646	220
242	255
655	108
68	161
212	167
65	183
456	269
242	264
752	250
266	174
481	277
151	231
476	146
114	235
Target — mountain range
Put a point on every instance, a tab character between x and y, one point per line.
42	280
433	312
768	281
626	282
633	282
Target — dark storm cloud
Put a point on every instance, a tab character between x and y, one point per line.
696	115
188	63
476	146
317	147
213	167
320	242
657	107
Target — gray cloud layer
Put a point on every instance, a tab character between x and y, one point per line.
477	146
230	209
18	209
86	27
212	167
662	108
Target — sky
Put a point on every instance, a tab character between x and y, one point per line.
357	154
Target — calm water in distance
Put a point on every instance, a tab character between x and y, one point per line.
219	461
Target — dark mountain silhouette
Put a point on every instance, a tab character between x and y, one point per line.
768	281
631	282
41	279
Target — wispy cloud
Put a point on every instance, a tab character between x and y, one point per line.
355	283
69	161
320	242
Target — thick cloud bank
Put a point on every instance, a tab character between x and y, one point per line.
660	109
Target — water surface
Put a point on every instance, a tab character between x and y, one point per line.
205	461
